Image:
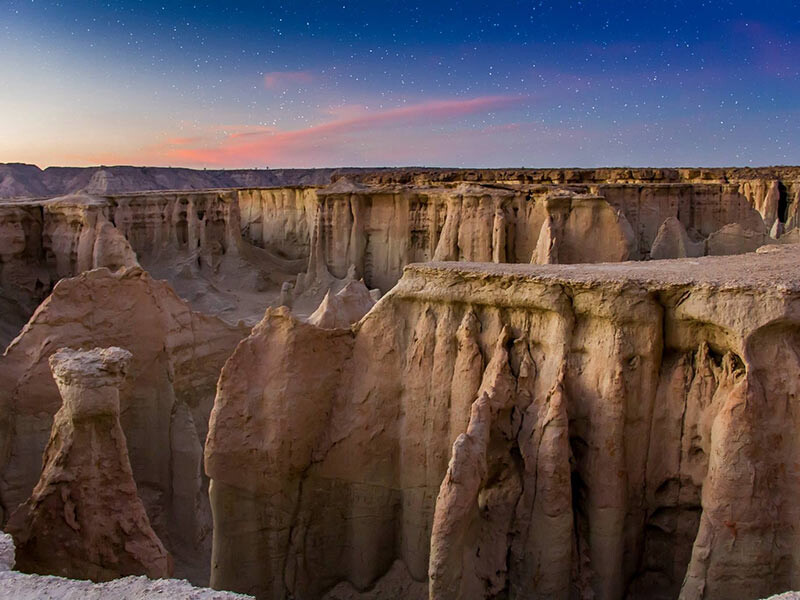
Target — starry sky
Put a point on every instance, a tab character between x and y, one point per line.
371	82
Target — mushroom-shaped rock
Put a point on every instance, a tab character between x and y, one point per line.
84	518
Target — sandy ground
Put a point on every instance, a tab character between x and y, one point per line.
775	267
20	586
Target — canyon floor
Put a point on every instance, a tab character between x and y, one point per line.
380	383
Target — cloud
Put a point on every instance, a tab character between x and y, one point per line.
183	141
330	142
284	79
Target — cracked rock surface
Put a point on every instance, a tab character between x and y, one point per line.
601	431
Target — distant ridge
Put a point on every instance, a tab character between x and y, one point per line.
19	180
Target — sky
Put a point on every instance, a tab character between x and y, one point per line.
398	83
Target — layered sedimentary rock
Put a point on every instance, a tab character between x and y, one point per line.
376	229
343	308
84	519
673	241
606	431
177	357
194	240
231	252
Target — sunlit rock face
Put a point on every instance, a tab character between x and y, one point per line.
615	431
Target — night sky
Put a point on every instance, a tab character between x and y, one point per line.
490	83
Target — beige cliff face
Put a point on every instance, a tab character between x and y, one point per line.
378	228
84	519
232	252
192	239
177	357
557	430
626	438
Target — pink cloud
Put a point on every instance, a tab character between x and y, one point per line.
183	141
325	143
283	79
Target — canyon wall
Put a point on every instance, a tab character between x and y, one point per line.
605	431
229	253
378	229
192	239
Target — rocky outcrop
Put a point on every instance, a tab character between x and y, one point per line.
193	240
343	308
177	358
672	241
607	431
378	229
736	239
84	519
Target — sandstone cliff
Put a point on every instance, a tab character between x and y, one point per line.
194	240
605	431
378	229
177	357
84	519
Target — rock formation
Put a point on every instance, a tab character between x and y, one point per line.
672	241
530	431
84	519
343	308
606	431
230	253
177	357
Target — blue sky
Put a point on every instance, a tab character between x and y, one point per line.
251	84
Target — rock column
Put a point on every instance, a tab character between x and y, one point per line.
84	519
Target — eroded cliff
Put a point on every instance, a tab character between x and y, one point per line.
606	431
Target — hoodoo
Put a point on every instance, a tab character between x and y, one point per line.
84	518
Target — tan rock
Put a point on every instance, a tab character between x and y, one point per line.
344	308
177	357
672	241
84	518
618	437
735	239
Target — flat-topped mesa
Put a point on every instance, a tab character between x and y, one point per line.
531	431
84	519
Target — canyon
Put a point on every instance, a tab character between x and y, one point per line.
427	383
